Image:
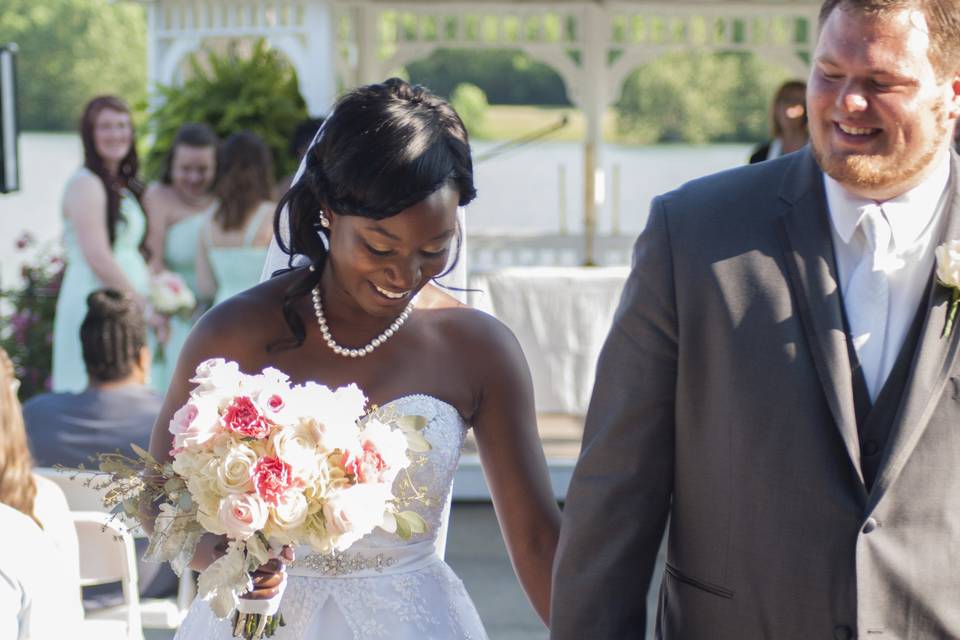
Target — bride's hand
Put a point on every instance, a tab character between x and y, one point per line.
269	576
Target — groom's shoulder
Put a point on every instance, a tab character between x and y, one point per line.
751	189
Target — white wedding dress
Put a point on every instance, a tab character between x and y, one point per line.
382	587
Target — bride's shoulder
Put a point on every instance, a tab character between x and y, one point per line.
469	329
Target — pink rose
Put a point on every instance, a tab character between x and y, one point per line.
369	466
243	417
242	515
191	426
272	478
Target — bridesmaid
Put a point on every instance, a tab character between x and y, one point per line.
104	231
175	208
233	241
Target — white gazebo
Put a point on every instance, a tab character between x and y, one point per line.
592	45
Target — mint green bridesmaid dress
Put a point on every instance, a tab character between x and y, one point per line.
180	256
79	280
239	267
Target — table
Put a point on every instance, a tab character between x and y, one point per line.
561	316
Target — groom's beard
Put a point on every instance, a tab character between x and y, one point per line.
882	170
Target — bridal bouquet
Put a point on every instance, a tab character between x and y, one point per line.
267	463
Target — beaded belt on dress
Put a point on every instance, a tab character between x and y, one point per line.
363	563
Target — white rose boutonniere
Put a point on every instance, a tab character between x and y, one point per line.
948	275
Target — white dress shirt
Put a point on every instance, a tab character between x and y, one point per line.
915	219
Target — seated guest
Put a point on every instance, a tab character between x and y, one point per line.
39	559
116	409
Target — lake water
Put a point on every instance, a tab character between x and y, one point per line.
523	191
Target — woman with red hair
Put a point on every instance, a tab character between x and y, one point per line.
104	231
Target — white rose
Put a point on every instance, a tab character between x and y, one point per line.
344	406
354	512
218	378
390	444
287	517
235	470
242	515
202	484
948	263
297	446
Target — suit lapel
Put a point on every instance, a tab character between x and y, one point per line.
930	368
811	266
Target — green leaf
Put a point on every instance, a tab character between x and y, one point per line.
413	423
144	454
408	523
403	529
417	443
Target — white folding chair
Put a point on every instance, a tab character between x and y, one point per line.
80	488
107	555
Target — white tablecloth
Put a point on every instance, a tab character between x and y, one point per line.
561	316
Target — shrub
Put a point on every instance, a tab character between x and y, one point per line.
26	321
231	92
471	103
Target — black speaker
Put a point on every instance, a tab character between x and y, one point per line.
9	130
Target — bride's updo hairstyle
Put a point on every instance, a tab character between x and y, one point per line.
384	148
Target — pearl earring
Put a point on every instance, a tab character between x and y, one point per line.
324	221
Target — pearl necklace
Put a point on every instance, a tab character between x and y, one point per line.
364	350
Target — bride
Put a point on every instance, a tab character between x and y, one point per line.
382	184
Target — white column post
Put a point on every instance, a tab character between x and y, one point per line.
153	55
594	103
368	45
318	82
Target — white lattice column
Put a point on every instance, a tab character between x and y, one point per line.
153	54
593	103
368	45
318	82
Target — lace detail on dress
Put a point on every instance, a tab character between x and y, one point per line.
425	603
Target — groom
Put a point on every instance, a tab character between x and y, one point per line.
777	382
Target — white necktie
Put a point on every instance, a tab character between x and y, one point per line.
868	298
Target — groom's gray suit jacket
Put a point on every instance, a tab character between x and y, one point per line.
727	398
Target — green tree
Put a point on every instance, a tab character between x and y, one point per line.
232	92
698	97
72	50
506	76
471	104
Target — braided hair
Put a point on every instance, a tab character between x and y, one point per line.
384	148
112	335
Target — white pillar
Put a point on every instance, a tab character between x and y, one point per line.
368	45
153	54
593	103
318	82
